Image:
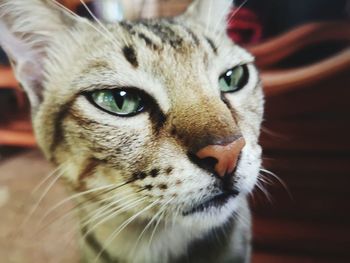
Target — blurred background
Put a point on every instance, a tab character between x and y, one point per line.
302	212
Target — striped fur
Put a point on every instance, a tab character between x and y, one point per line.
177	63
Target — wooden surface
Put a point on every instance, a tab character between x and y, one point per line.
27	241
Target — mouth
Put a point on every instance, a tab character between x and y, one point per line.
215	202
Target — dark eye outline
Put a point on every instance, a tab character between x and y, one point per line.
242	82
145	99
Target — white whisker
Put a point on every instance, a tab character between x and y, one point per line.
147	226
284	185
105	210
231	17
175	216
264	191
75	196
112	38
45	192
85	21
228	20
162	209
219	23
122	227
128	205
47	178
84	222
115	212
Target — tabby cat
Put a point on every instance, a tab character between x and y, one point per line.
154	125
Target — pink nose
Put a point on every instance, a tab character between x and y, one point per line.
226	155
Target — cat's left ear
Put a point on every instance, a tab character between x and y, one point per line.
28	28
211	14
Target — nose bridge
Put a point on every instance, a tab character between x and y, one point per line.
205	121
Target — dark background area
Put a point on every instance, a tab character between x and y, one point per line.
277	16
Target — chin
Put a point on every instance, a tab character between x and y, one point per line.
213	216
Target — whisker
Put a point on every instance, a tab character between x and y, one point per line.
122	227
68	11
100	24
83	20
146	227
108	205
268	158
83	226
115	212
45	192
82	205
46	179
162	209
264	179
232	16
228	20
252	196
66	200
220	19
104	210
264	191
284	185
175	216
122	208
277	135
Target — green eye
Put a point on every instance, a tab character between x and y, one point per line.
234	79
120	102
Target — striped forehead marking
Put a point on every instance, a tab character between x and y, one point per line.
165	31
130	55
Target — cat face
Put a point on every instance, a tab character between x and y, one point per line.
124	109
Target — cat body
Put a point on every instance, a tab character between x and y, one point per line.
154	125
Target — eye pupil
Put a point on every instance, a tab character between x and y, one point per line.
119	99
228	77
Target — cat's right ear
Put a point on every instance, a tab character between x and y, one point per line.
28	28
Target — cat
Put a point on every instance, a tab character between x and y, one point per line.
154	125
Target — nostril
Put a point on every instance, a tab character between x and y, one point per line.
207	163
225	155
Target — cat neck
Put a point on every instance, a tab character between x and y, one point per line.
139	241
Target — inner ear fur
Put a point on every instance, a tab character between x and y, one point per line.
28	28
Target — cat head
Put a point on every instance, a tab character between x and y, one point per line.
161	113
